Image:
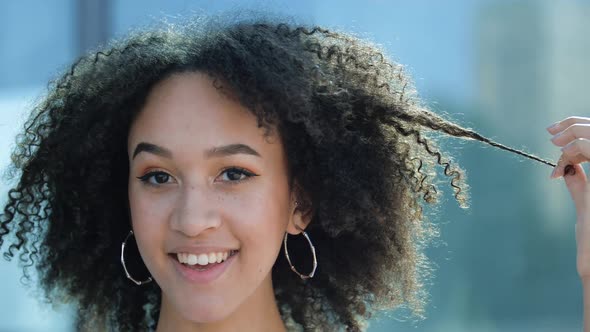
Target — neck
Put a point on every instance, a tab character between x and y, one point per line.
258	313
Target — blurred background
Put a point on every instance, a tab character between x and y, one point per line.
507	69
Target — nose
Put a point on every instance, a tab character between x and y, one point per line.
195	213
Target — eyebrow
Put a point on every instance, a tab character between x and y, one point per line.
151	148
219	151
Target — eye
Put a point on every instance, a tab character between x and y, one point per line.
155	178
236	174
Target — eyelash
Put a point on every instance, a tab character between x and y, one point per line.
242	171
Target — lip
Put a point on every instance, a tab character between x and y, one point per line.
201	250
203	277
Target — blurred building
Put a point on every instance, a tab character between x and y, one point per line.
498	272
533	68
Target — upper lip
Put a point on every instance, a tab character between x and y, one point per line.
196	250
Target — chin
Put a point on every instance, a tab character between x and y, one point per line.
206	313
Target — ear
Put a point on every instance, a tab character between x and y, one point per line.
301	215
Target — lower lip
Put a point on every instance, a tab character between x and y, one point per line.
205	276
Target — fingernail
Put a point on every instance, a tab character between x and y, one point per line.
568	147
552	126
553	173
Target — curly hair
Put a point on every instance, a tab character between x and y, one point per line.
354	132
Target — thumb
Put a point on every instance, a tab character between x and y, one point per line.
577	186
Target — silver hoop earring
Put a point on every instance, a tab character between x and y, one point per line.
138	283
315	260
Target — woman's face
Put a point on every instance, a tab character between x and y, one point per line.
205	184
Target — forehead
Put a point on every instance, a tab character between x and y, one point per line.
185	112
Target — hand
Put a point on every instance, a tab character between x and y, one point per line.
573	135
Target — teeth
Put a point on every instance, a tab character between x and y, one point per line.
202	259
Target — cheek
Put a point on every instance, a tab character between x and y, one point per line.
149	209
264	209
260	221
148	217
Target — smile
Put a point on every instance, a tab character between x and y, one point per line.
204	259
202	268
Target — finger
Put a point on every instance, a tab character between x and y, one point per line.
576	152
575	178
579	147
561	125
578	130
577	185
564	166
